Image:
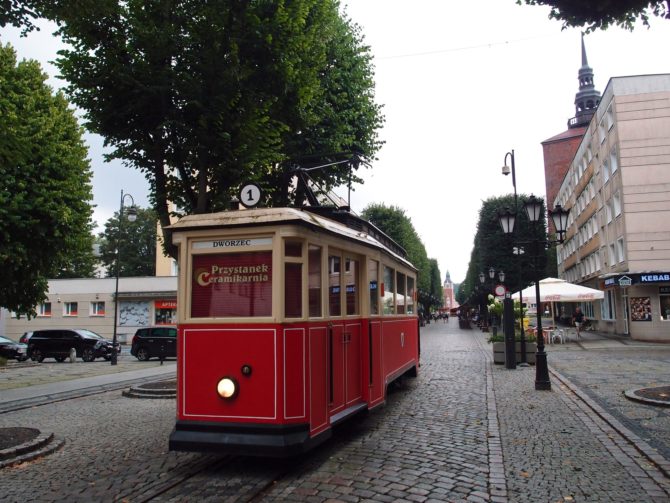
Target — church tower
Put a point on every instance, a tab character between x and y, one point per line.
448	293
560	149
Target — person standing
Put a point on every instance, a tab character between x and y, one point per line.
578	320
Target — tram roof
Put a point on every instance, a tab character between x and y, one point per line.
363	232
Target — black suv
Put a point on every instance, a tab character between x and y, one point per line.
57	343
154	341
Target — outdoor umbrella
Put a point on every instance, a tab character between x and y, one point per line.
557	290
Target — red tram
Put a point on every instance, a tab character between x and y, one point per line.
291	320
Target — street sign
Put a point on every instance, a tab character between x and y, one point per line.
625	281
500	290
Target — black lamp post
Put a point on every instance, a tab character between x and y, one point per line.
506	170
534	209
132	216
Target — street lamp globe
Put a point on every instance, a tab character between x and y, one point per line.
501	276
482	278
507	219
492	272
560	218
533	207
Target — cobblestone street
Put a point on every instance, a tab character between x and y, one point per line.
464	430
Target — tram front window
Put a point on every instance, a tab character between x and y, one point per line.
232	285
352	286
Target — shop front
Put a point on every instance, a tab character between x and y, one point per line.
638	305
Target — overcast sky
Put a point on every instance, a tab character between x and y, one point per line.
462	83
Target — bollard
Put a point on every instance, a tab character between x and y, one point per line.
508	328
73	355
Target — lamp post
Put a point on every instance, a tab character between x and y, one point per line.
534	208
506	170
132	216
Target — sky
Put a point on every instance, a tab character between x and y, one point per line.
461	84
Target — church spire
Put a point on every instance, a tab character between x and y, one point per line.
587	98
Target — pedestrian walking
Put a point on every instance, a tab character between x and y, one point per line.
578	320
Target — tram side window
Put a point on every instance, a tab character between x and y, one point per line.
292	290
410	295
334	300
400	297
314	265
351	276
373	273
292	279
388	291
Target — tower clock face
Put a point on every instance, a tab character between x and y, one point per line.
250	195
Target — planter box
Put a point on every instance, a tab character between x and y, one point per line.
499	352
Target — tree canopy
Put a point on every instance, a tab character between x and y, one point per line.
600	14
201	96
45	187
136	241
493	248
393	221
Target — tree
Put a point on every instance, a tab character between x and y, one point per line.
398	226
45	187
136	241
201	96
493	248
600	14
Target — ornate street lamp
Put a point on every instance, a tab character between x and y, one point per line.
132	216
534	209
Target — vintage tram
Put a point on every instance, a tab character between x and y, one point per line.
290	321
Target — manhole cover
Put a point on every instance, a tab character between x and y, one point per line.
659	395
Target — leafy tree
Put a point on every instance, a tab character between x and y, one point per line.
136	241
398	226
202	95
45	187
600	14
494	248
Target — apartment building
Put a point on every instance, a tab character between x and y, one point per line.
618	190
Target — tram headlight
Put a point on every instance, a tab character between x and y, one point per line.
227	388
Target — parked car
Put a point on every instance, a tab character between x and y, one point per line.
25	337
157	342
12	350
57	343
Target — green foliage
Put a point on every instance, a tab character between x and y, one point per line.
137	244
45	187
601	14
493	248
398	226
202	95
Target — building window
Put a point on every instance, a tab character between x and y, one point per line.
614	161
607	306
608	210
606	171
587	309
609	116
69	309
612	255
620	250
664	299
44	309
97	308
616	203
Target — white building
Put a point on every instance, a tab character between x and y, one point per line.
618	192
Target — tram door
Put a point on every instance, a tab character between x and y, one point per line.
345	365
345	337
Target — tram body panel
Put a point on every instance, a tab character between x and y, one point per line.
400	347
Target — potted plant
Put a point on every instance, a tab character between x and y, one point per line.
498	342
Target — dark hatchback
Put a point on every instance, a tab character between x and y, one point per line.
12	350
57	343
160	342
